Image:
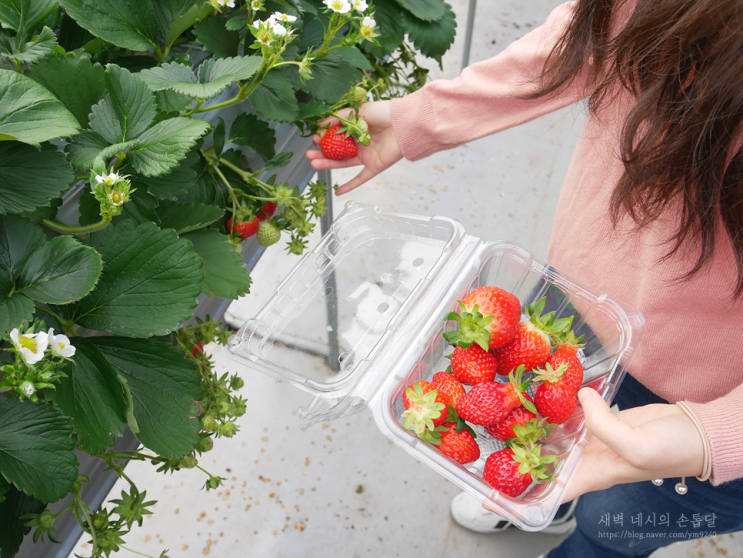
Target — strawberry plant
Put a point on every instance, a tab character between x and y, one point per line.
126	191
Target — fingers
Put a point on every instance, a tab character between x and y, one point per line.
320	162
619	436
364	176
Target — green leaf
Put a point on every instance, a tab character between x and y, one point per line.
25	15
434	38
275	98
332	77
89	145
76	82
224	270
31	178
31	51
93	396
140	208
169	186
164	385
131	25
389	18
165	144
280	161
164	76
4	486
149	282
13	528
185	217
194	14
235	24
128	109
427	10
60	271
170	101
216	38
31	114
36	449
249	130
242	67
355	57
315	108
218	137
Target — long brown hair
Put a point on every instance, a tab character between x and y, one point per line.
683	62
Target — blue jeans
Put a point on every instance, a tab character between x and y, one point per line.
636	519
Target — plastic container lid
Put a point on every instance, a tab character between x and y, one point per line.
361	317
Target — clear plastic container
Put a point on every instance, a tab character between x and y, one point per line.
361	317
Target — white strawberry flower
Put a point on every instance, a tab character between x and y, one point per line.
257	4
359	5
109	179
219	4
27	388
279	29
338	6
60	345
367	28
278	16
30	345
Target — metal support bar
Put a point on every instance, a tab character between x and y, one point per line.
468	33
331	300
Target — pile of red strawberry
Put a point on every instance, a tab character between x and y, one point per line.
491	341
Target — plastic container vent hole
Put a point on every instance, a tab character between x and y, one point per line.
328	290
417	262
344	358
383	307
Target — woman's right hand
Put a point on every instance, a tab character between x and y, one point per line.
379	155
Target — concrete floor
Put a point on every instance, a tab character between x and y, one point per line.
341	489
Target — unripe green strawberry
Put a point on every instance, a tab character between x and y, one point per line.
209	423
228	429
189	462
236	382
100	520
206	443
268	234
359	94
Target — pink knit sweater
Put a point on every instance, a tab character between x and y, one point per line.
692	347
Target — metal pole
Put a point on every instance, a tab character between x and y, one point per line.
468	33
331	300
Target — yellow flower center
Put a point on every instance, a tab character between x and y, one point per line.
28	343
61	345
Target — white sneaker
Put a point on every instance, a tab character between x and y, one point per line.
470	514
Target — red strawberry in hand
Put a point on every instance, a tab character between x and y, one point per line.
532	345
563	368
512	470
503	430
449	386
472	365
460	446
489	403
245	228
426	408
488	316
555	402
336	144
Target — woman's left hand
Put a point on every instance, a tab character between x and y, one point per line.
640	444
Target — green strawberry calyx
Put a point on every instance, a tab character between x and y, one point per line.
549	374
516	377
354	126
454	417
530	433
532	462
547	323
423	409
472	328
569	339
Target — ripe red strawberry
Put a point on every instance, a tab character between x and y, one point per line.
245	229
555	402
426	407
512	470
266	211
569	343
461	447
198	349
488	403
472	365
532	345
488	316
564	368
449	386
335	144
516	417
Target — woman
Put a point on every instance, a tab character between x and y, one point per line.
655	189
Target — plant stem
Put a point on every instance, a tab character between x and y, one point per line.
199	102
226	183
90	525
63	228
135	552
65	323
236	99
